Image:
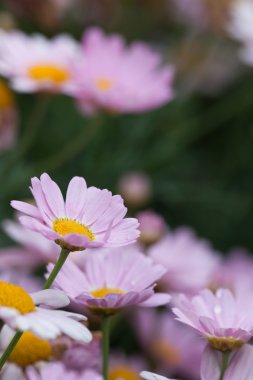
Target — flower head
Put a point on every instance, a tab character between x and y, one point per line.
125	367
189	260
89	217
112	280
225	321
19	310
120	79
34	63
152	227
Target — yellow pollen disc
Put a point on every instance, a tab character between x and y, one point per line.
123	373
69	226
100	293
29	350
6	96
225	344
15	297
47	72
165	351
103	84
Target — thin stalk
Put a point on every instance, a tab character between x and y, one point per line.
58	265
224	365
105	345
61	260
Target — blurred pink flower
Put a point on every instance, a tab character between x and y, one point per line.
152	227
125	367
174	348
189	260
221	318
22	278
89	217
135	188
120	79
57	371
240	27
8	118
240	364
34	63
36	249
111	280
79	356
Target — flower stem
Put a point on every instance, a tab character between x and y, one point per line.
58	265
105	345
224	365
10	348
61	260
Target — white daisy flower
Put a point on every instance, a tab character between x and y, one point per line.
19	310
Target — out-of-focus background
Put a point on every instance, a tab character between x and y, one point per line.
196	151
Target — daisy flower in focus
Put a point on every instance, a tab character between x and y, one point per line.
112	280
57	371
89	217
19	310
35	63
8	118
225	321
120	79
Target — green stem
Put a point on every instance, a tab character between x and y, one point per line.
224	365
105	345
10	348
61	260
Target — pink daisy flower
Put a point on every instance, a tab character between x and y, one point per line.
189	260
89	217
34	63
120	79
152	227
19	310
57	371
112	280
225	321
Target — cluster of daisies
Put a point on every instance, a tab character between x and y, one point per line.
96	266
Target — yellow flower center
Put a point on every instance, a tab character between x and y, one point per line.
165	351
6	96
123	373
30	349
69	226
103	84
15	297
225	344
100	293
52	73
